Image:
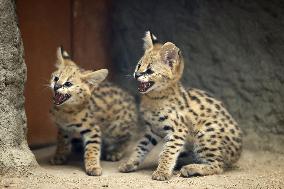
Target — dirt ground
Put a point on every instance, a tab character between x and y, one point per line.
257	169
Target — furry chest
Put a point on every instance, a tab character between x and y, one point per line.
157	121
65	119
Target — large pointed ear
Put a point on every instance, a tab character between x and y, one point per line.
61	55
95	77
149	40
169	53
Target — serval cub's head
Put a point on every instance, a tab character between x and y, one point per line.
70	84
160	66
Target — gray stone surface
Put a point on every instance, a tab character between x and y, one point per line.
233	49
15	156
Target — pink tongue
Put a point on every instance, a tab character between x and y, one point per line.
59	97
142	86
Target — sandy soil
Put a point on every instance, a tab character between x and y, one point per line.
255	170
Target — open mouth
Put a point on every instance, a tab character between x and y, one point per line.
59	98
144	86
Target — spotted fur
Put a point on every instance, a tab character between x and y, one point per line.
102	114
189	121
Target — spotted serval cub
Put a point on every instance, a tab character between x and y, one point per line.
99	112
188	120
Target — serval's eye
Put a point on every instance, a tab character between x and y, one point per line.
56	78
68	84
149	71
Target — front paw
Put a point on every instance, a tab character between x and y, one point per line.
94	171
161	175
58	160
128	167
115	156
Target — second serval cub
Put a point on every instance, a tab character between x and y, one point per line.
101	113
188	120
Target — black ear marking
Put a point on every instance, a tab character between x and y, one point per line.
64	54
61	48
153	38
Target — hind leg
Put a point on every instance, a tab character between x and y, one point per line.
208	164
209	156
201	169
115	151
63	148
114	155
116	143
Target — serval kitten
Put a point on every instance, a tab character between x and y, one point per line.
102	114
188	120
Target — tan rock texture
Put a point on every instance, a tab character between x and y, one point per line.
15	155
